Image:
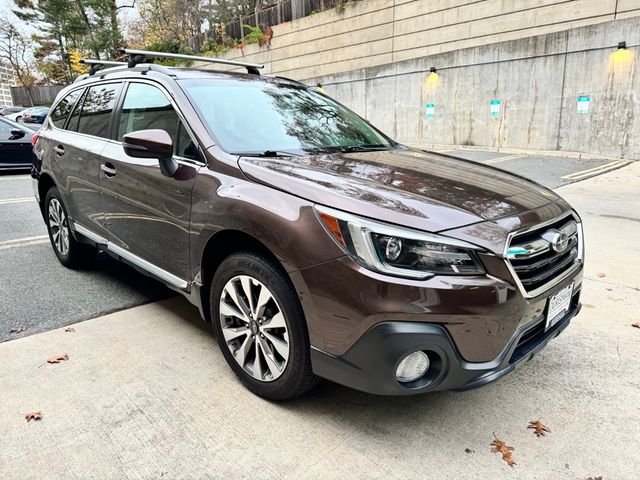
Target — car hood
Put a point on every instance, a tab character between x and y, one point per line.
406	186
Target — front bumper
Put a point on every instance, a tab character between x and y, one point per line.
370	364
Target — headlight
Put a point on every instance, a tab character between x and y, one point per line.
399	251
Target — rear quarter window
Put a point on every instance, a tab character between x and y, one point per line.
61	112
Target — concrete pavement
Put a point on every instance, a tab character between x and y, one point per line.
146	394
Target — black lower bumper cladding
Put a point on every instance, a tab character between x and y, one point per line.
370	365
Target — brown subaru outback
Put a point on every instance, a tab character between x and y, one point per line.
315	245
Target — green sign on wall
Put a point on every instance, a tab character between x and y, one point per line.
494	108
430	110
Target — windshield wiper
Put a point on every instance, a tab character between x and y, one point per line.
267	154
365	148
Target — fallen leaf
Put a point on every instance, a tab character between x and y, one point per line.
17	330
70	329
594	478
33	416
601	274
540	430
609	289
501	447
58	358
637	324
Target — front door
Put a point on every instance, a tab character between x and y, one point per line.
146	213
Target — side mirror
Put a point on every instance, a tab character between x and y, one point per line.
152	144
16	133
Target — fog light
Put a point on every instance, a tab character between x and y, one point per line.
412	367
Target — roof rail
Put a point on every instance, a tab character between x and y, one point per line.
138	56
98	64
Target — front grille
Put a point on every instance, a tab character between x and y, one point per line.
537	257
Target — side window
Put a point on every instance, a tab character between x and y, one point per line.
147	107
5	131
96	109
185	147
61	112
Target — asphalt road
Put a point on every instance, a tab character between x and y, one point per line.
551	172
36	292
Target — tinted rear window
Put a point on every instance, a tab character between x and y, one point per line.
96	109
61	112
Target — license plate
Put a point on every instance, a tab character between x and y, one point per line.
558	306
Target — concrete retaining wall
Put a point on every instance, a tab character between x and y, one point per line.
536	57
538	82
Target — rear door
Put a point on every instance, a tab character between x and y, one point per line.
15	151
146	213
75	146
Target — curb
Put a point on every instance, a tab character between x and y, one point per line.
521	151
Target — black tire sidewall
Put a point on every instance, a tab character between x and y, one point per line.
51	194
80	255
298	369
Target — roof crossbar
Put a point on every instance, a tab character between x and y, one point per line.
98	64
138	56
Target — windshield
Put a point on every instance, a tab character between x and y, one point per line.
260	117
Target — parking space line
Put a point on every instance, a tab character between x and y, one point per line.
502	159
23	242
15	177
596	170
17	200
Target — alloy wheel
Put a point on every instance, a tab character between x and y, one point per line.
254	328
59	225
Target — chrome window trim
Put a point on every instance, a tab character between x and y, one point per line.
559	279
136	260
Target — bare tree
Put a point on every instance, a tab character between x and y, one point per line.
15	49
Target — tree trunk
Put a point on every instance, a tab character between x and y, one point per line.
85	18
113	11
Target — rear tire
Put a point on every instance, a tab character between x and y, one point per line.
260	326
70	252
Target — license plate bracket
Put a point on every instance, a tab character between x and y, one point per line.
558	305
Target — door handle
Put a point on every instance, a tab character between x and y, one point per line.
59	149
108	169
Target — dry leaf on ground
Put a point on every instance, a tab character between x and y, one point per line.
637	324
70	329
17	330
501	447
594	478
539	429
33	416
58	358
601	274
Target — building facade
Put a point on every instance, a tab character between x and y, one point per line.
6	81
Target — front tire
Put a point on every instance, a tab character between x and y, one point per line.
70	253
260	326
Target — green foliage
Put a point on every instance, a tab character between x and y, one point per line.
213	49
170	46
342	6
254	36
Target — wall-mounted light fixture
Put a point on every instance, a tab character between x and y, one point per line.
433	79
622	58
